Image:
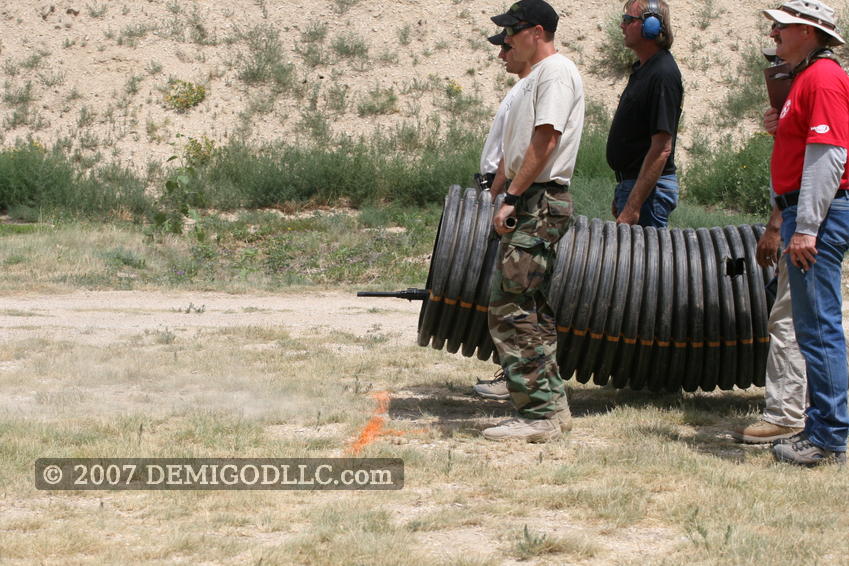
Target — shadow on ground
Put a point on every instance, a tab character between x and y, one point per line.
712	414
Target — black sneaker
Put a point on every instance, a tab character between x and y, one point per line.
803	452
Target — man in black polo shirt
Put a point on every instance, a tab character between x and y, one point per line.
641	143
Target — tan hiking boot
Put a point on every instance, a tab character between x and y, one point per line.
526	430
763	432
562	415
494	388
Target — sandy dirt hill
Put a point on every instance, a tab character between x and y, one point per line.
95	76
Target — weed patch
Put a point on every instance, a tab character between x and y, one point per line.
732	178
183	95
263	61
378	101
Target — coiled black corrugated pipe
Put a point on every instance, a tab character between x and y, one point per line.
663	309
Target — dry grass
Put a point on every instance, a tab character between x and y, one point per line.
643	479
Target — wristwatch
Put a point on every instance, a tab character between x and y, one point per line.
510	199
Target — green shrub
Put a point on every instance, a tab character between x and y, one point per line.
315	32
592	154
342	6
263	62
32	177
359	171
616	59
732	178
198	151
747	96
350	46
183	95
378	101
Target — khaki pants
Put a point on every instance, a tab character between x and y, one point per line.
786	383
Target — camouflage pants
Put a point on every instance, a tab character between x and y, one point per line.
521	322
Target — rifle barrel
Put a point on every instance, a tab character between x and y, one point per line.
411	294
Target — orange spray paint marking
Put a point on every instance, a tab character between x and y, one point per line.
374	426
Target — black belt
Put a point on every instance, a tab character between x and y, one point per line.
547	184
791	199
553	185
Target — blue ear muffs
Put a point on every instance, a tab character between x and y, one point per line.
652	21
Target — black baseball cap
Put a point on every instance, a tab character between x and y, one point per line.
537	12
498	38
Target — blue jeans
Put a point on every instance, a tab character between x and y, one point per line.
818	319
660	202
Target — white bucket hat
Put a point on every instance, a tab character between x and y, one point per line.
810	13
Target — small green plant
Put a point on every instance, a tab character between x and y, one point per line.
315	32
315	124
182	193
96	11
404	35
73	95
24	116
154	68
707	13
132	34
121	257
86	117
745	98
263	62
616	59
462	106
198	151
378	101
34	61
164	337
51	79
88	140
10	68
22	96
350	46
388	57
198	32
132	86
312	55
342	6
183	95
336	98
157	132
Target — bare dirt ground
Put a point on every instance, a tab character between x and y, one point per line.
103	317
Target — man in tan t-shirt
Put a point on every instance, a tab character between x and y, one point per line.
541	138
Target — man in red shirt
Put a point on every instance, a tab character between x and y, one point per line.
810	179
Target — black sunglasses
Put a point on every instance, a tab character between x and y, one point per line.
513	30
628	18
780	26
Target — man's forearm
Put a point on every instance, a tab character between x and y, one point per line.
650	172
499	180
774	223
